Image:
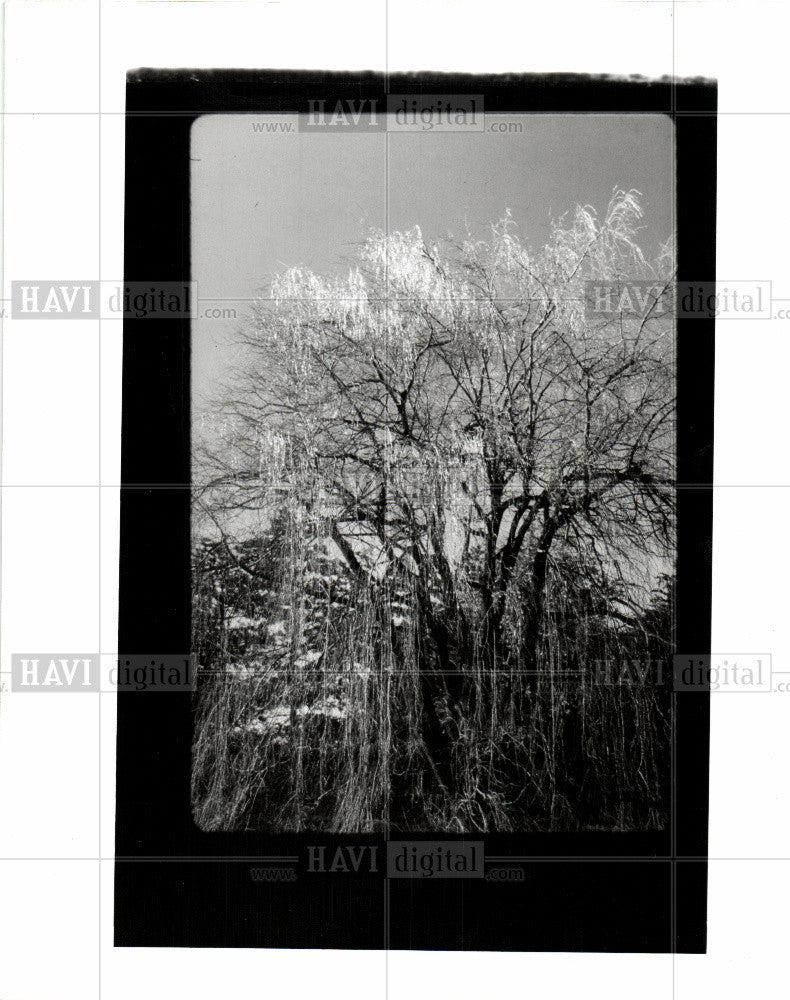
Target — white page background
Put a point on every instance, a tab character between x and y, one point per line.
63	186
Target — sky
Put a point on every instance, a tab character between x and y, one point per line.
263	202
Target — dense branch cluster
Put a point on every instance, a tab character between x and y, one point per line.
468	431
459	407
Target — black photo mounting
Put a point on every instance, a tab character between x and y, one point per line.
178	884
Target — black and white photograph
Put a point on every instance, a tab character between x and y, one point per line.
392	480
433	533
420	452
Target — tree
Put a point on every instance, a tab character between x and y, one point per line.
457	414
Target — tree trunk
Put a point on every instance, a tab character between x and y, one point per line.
438	745
530	641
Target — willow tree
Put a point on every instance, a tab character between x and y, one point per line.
463	412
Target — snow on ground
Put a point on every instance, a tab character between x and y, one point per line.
272	721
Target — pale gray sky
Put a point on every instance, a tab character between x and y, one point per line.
262	202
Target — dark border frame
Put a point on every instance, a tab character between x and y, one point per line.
178	886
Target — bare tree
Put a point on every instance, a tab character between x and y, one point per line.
460	416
